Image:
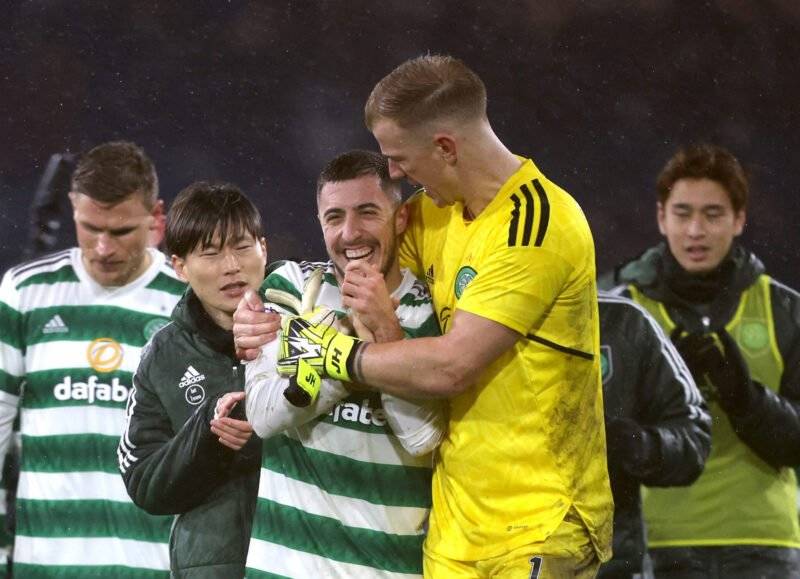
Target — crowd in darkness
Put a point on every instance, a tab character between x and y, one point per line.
262	94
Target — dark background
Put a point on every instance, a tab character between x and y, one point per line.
599	93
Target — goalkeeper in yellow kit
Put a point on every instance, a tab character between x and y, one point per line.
520	488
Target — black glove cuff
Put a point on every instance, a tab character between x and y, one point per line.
353	362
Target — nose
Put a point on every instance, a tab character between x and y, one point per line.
230	261
395	172
696	227
105	246
351	228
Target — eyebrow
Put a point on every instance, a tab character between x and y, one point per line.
112	231
714	206
337	210
215	245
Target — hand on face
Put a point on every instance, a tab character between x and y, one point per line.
365	293
252	326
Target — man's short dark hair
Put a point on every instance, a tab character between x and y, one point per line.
112	172
427	88
203	209
704	161
357	163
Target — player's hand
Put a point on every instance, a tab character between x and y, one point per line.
731	377
232	433
631	446
717	358
698	350
252	326
227	403
312	344
372	307
361	330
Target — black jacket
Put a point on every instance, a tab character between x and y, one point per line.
170	460
771	426
658	428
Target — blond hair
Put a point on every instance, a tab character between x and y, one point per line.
427	88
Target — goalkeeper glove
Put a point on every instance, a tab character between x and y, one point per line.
306	340
313	340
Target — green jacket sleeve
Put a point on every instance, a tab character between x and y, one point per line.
167	472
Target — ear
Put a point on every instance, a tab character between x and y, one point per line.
738	222
446	147
401	219
179	265
159	225
661	216
263	243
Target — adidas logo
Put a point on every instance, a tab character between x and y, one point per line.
429	276
55	326
191	376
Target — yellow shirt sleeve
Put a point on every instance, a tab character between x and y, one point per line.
517	286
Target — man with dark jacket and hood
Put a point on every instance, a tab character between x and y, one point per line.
173	460
739	332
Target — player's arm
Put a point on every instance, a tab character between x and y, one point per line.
514	288
418	424
268	410
12	364
443	366
511	292
167	472
769	422
673	412
439	367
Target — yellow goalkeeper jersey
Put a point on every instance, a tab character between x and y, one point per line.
527	442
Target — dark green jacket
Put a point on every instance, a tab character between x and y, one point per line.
170	460
771	427
645	382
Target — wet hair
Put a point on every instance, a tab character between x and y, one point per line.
427	88
112	172
356	163
203	209
705	161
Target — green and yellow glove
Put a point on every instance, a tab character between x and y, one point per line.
312	340
311	347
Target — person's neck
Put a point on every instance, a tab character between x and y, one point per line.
486	170
145	263
223	319
214	327
697	287
393	277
